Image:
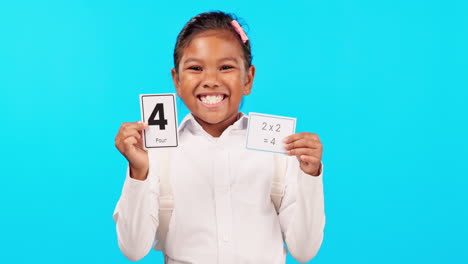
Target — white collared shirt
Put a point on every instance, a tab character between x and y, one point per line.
223	212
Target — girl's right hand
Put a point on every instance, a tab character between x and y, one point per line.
129	142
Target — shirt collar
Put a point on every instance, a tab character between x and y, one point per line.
191	124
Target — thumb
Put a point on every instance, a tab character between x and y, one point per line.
142	125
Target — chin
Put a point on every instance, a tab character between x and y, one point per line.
212	118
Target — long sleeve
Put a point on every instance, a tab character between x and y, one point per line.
136	216
302	215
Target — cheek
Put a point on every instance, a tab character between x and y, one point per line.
186	84
235	79
184	79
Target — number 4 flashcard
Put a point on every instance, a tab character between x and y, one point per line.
267	132
159	111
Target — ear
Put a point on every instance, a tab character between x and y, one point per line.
249	77
175	79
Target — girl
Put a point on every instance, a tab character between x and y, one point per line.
222	212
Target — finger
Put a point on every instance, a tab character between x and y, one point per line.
139	125
309	159
131	133
140	139
130	142
129	126
297	136
143	125
300	151
304	151
303	143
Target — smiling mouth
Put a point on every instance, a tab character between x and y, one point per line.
211	99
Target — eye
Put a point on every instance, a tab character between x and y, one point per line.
195	68
226	67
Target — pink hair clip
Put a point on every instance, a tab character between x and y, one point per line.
239	30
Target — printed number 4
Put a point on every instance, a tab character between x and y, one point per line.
161	122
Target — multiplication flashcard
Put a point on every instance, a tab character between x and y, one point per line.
159	111
267	132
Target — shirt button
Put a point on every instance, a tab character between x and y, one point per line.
225	238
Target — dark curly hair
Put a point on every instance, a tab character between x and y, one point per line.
215	20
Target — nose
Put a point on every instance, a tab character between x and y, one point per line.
210	79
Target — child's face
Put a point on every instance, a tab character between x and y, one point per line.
212	78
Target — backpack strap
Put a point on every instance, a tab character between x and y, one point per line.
166	200
278	185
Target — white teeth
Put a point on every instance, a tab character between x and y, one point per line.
210	99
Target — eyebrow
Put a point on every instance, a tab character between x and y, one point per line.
193	59
228	59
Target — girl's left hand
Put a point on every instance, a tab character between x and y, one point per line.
308	150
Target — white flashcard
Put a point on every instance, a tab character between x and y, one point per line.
160	112
267	132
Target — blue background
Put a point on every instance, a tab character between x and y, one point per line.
384	84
